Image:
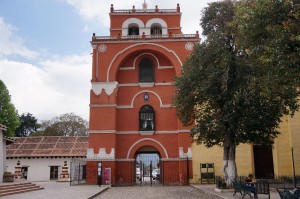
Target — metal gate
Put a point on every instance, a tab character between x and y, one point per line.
148	169
78	172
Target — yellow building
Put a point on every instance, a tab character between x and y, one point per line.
261	161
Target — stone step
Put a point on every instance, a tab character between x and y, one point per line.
7	185
20	191
19	187
16	188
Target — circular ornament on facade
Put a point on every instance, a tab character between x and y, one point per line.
189	46
102	48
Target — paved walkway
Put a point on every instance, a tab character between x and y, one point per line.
63	190
229	195
59	190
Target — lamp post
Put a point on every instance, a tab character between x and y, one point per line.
295	183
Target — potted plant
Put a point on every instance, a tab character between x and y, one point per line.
8	177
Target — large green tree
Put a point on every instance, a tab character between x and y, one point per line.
67	124
28	124
225	92
269	33
8	113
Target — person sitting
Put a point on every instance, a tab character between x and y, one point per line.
249	183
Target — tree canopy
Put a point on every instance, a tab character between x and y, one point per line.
232	89
67	124
8	113
28	125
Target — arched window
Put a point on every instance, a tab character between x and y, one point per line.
147	118
156	29
146	73
133	29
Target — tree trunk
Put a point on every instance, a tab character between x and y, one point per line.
229	165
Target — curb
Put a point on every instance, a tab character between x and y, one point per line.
95	195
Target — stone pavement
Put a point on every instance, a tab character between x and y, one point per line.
229	194
63	190
60	190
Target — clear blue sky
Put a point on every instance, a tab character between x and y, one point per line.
45	59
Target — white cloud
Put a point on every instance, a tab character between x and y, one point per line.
57	86
98	10
11	44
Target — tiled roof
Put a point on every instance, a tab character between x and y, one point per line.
48	146
2	127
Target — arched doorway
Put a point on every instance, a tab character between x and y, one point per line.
148	166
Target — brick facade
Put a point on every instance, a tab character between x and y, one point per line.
117	131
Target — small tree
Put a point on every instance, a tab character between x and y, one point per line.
8	113
28	125
225	93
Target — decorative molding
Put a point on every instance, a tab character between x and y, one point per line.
102	105
146	85
146	132
94	47
164	84
135	45
102	48
125	106
140	132
147	139
137	84
189	46
129	21
102	155
158	21
166	106
102	131
127	132
166	132
165	67
185	155
146	91
108	87
127	68
128	85
184	130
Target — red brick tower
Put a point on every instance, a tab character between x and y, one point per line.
131	109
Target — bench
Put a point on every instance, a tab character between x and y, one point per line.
262	187
242	189
286	194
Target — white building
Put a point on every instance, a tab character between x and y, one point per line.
3	142
44	158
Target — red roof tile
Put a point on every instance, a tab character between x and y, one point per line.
48	146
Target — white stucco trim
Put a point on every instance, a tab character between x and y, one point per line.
102	155
102	105
127	85
138	132
164	84
107	86
184	130
124	107
135	45
138	84
166	132
129	21
188	154
102	131
147	139
127	132
158	21
147	91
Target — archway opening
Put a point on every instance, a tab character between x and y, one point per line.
148	166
